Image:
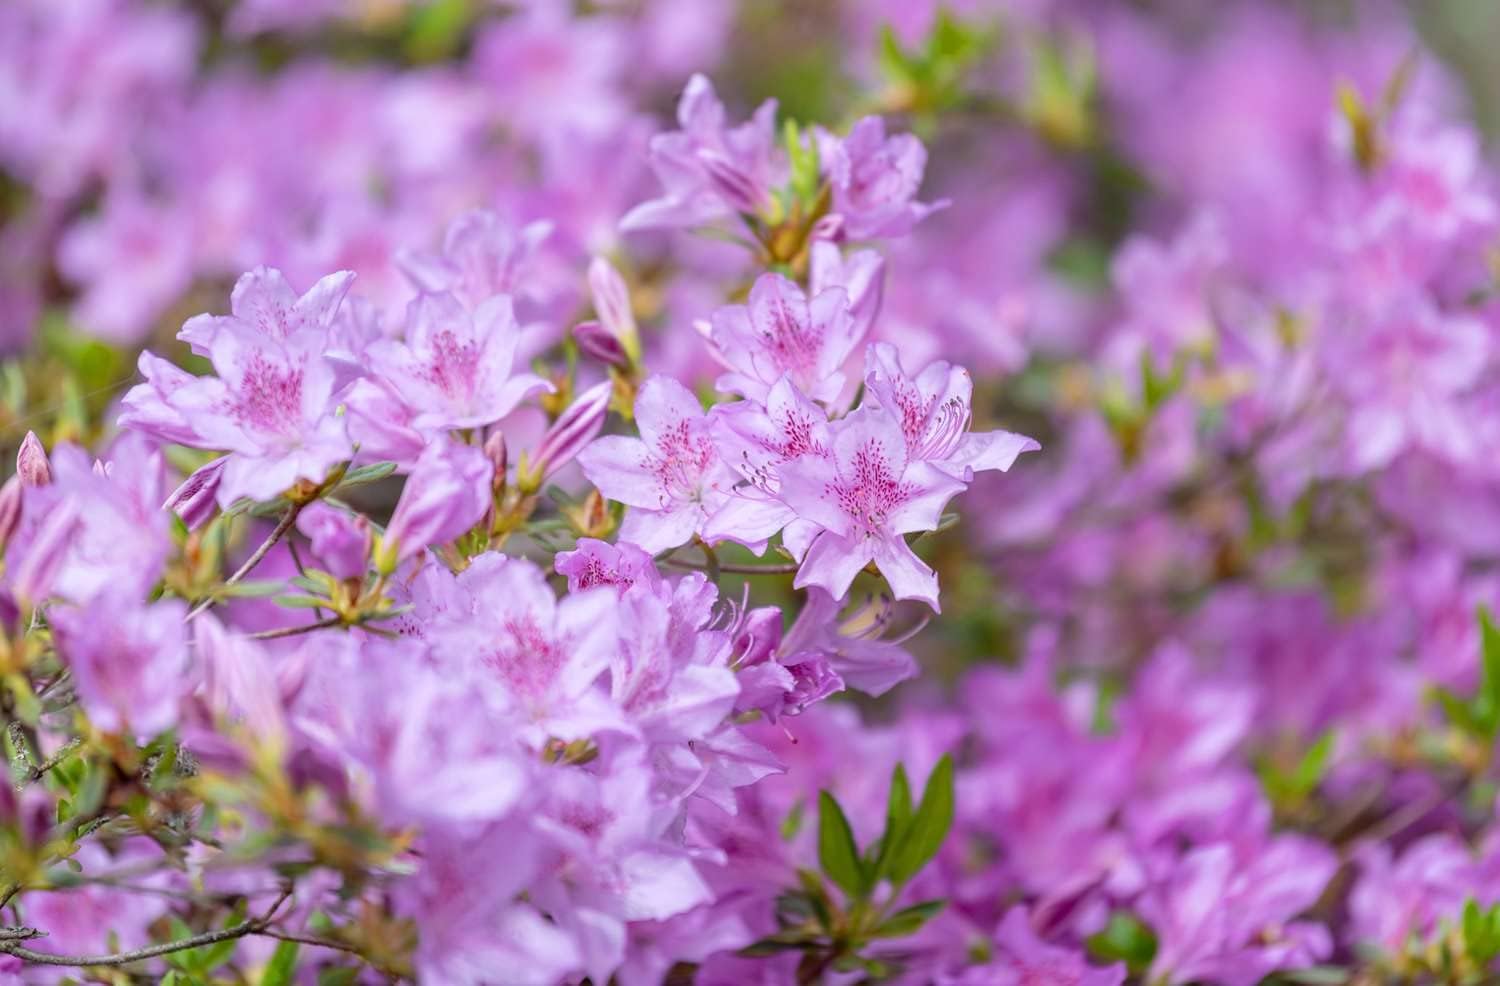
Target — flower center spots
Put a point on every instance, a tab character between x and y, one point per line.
525	657
870	490
682	457
596	573
790	341
270	399
454	364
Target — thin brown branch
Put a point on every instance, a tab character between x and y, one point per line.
10	946
280	632
11	938
35	772
310	940
277	533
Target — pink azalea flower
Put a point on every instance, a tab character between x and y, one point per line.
454	369
864	498
710	171
543	657
1025	958
757	442
482	256
1227	917
934	410
271	402
264	302
127	659
781	333
875	180
671	477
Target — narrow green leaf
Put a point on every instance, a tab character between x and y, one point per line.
929	826
907	920
782	941
252	589
282	965
339	975
1487	701
792	823
367	474
300	602
898	811
837	853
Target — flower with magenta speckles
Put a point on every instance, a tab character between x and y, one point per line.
672	477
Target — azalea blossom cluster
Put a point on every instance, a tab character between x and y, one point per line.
572	547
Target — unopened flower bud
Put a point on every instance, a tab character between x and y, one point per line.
495	451
194	500
340	540
574	429
611	298
597	343
31	462
591	517
447	493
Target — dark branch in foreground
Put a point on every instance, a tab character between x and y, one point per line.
11	938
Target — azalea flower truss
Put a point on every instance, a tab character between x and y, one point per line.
748	492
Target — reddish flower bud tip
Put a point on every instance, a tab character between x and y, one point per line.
31	462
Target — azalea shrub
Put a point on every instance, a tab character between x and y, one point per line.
739	491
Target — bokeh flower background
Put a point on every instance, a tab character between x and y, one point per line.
750	491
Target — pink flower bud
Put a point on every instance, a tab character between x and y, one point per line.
574	428
611	298
447	493
340	540
597	342
195	499
31	462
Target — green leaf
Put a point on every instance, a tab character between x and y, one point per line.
1454	708
367	474
792	823
1475	925
837	853
300	602
898	811
907	920
339	975
1309	771
252	589
1124	939
1487	700
929	826
783	941
893	62
283	963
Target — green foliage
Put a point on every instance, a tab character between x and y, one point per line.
282	967
930	78
1290	787
837	853
1477	717
1124	939
833	934
1481	933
